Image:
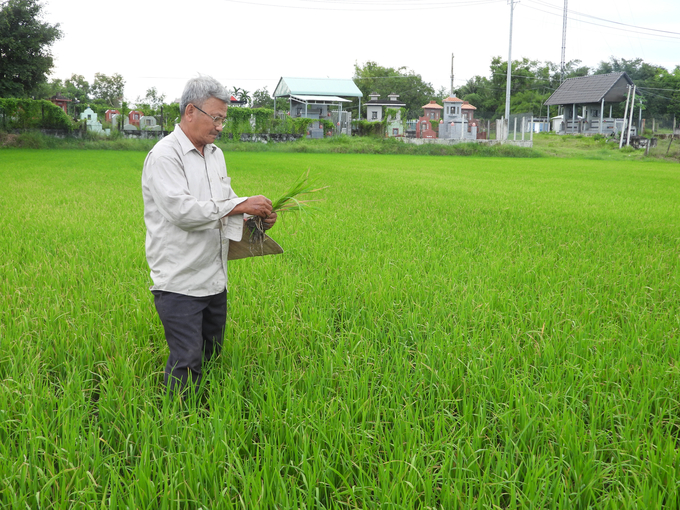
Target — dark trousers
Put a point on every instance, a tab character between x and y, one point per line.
194	330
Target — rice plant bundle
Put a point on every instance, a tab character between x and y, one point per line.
294	200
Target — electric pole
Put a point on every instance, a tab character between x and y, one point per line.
452	75
507	86
564	41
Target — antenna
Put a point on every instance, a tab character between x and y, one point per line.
564	40
451	74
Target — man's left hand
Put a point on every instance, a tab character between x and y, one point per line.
269	221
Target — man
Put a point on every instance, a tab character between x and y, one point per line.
191	213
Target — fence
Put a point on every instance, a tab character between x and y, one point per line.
662	124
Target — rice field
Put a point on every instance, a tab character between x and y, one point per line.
444	333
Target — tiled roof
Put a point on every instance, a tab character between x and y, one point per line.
432	105
611	87
453	99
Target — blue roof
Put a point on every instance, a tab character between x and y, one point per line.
316	87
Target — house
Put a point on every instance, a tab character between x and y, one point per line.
590	94
319	99
432	114
374	113
61	101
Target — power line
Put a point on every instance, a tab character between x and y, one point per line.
380	6
603	19
675	35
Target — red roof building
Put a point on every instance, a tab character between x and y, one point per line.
61	102
134	117
432	114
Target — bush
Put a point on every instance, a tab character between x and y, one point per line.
18	113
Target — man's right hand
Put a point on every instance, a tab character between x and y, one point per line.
258	205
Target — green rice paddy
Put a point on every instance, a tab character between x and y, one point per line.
444	333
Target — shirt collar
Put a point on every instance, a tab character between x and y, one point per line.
186	144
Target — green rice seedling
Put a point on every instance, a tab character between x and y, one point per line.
506	336
289	202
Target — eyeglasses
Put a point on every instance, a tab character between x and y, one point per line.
218	121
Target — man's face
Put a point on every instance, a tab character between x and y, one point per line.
204	128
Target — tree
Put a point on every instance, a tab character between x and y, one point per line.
647	78
412	90
108	90
262	99
151	103
77	88
25	57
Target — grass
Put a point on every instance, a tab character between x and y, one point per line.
447	333
544	145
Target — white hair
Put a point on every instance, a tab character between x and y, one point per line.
198	90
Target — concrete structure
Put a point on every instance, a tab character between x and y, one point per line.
134	116
455	125
148	123
588	96
432	114
319	98
374	113
109	114
91	120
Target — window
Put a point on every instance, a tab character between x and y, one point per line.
374	115
395	131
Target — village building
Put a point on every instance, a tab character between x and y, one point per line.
583	101
319	99
432	114
374	112
455	124
61	101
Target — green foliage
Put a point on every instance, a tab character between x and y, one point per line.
450	334
25	56
328	125
262	99
411	88
109	90
30	114
370	128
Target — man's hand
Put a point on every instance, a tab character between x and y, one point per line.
269	221
258	205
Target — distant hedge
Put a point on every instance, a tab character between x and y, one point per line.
32	114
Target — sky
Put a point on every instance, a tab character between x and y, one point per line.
252	44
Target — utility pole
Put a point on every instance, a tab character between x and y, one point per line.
451	74
507	86
564	41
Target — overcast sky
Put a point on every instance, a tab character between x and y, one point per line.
251	44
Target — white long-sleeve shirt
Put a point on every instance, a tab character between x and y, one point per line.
186	199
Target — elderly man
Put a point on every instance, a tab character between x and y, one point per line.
191	213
